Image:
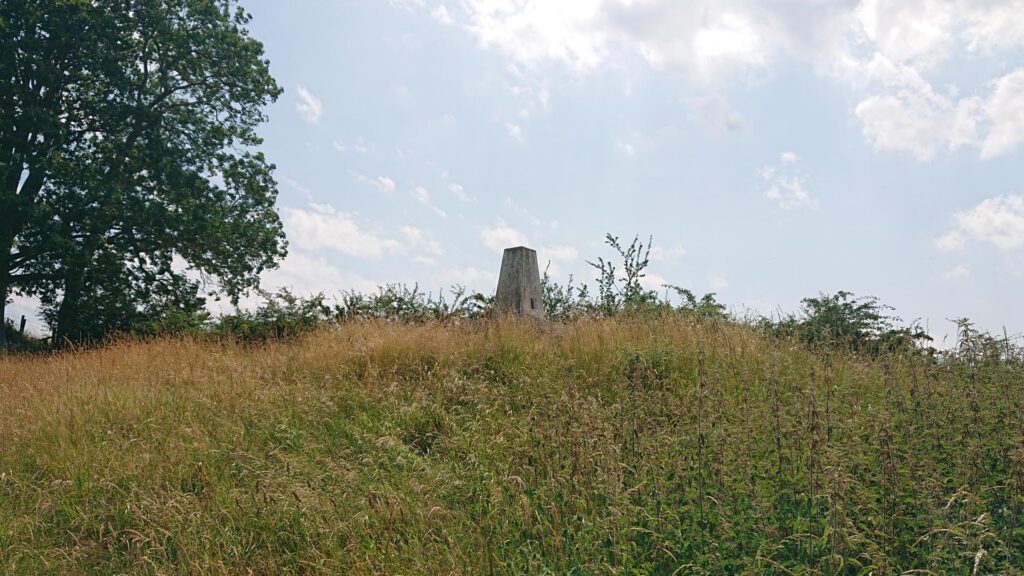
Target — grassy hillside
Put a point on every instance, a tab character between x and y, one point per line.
606	447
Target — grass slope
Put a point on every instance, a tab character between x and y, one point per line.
609	447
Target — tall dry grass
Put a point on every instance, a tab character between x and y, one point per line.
620	446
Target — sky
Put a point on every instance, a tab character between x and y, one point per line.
774	150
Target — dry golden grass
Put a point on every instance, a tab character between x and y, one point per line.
609	446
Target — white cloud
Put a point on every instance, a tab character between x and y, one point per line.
881	48
472	278
408	5
304	274
732	37
422	240
425	260
653	282
903	112
441	14
308	106
995	26
499	237
381	183
953	240
535	32
523	212
459	192
307	274
716	282
659	254
635	142
422	195
715	115
917	120
703	39
534	97
1005	111
923	33
296	186
322	227
998	221
786	183
359	146
515	131
558	253
917	31
958	271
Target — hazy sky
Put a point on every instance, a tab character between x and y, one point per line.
773	149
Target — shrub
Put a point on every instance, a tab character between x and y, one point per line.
631	295
399	302
844	321
282	315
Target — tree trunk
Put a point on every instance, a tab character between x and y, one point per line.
3	311
6	243
67	312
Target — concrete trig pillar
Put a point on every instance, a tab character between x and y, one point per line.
519	284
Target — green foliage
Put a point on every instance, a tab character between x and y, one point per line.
617	294
129	158
284	315
844	321
706	307
563	303
979	349
281	315
120	302
398	302
630	294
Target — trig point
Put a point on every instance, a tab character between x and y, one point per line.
519	284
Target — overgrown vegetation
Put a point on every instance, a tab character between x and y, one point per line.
840	321
636	444
847	322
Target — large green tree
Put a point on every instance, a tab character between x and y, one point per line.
127	136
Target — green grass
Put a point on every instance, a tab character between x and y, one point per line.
643	446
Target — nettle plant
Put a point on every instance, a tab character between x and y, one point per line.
620	288
630	294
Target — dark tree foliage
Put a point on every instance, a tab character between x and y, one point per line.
127	136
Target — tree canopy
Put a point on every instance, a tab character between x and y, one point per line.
129	173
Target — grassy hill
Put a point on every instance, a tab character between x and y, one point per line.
619	446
